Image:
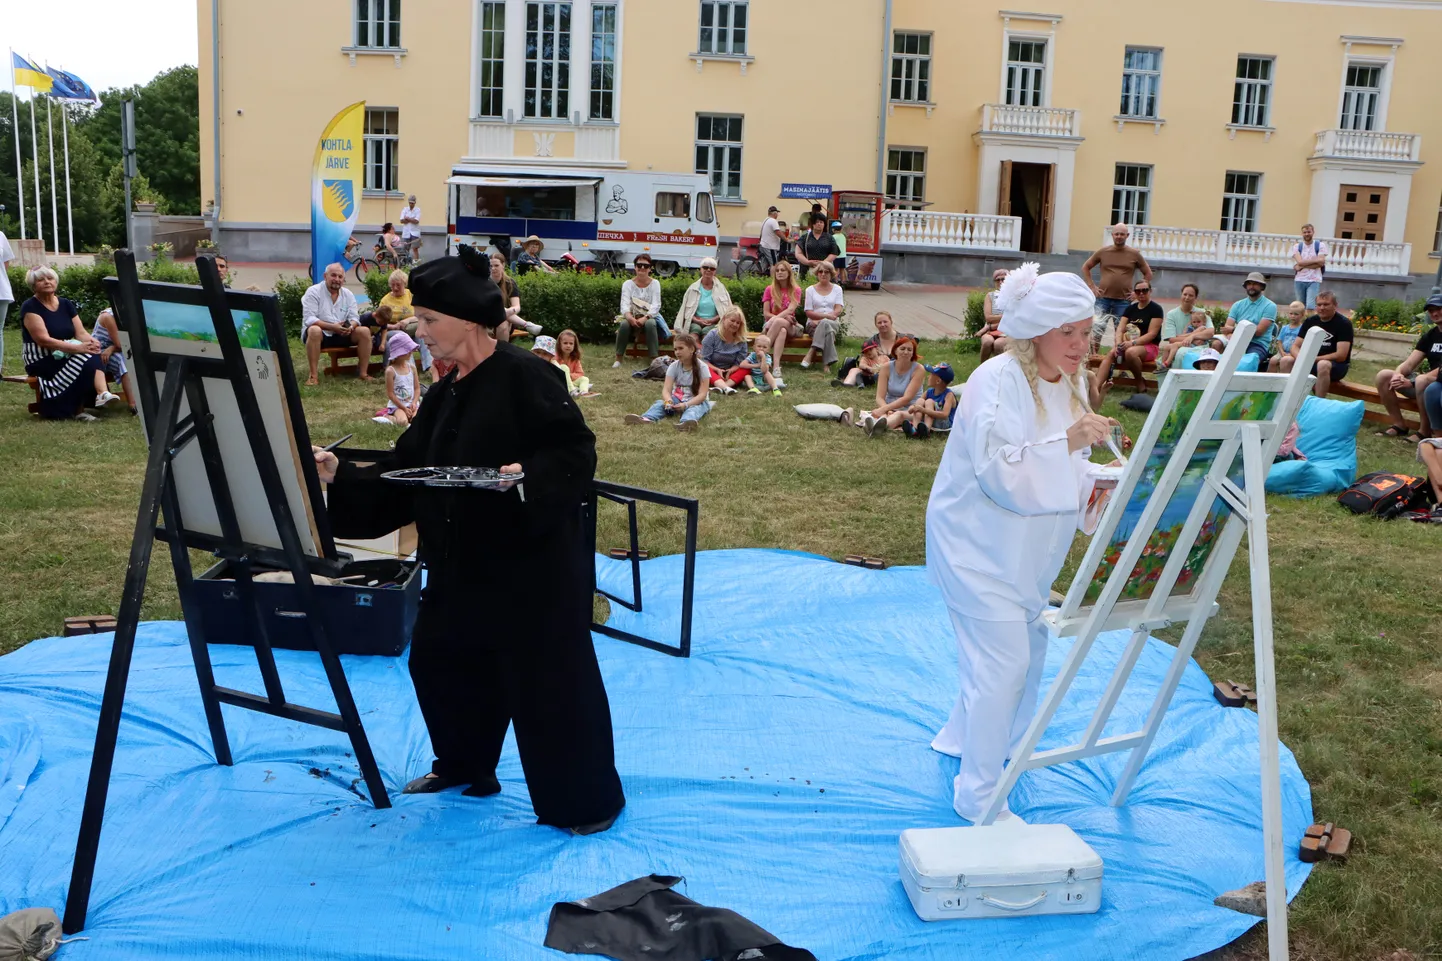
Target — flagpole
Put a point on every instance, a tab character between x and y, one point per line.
35	158
65	138
19	167
50	141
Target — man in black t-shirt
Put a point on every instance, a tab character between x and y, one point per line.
816	246
1410	380
1336	353
1132	352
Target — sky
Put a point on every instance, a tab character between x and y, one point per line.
107	43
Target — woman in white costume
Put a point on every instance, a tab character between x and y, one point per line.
1012	489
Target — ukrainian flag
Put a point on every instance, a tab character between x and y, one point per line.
29	75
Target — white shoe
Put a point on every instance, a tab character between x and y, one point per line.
105	399
866	421
533	329
805	364
781	384
615	365
381	420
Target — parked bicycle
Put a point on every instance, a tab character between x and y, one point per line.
352	255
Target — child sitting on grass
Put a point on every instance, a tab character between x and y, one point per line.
935	409
545	349
1296	313
863	372
401	385
568	353
687	389
758	367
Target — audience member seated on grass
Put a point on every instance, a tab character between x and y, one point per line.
884	340
992	339
511	297
779	303
58	352
898	385
861	371
1296	313
686	393
640	311
824	307
1135	354
724	350
332	320
107	334
1336	353
934	411
705	302
1406	381
403	386
568	353
1256	308
1184	326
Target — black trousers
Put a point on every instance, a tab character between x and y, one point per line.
475	677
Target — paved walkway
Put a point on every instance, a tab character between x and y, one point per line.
929	312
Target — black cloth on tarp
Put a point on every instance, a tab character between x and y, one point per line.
486	654
644	920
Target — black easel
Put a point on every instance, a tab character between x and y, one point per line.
169	434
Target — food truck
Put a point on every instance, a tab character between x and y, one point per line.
602	217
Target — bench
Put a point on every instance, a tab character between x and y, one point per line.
34	384
1121	375
796	347
1344	388
334	356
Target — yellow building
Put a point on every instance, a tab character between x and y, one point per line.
1215	129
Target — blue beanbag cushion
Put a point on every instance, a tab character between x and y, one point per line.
1329	439
1187	359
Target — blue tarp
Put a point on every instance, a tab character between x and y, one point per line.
774	769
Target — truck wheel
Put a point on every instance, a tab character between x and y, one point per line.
666	268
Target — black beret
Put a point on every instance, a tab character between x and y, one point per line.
459	286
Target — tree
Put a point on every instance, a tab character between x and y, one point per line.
167	135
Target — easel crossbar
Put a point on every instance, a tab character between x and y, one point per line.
291	712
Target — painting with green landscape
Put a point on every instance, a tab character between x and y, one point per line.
192	322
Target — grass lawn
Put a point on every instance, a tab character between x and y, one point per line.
1358	632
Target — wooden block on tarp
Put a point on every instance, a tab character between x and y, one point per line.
1227	694
854	560
89	624
624	554
1339	844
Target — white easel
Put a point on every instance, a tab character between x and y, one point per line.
1256	442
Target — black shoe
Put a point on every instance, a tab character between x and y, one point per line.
595	827
838	382
922	431
908	429
483	787
431	784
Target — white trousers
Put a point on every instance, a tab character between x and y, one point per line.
1000	665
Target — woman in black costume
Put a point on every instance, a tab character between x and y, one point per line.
484	655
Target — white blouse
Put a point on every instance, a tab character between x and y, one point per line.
1008	496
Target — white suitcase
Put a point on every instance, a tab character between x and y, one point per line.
996	871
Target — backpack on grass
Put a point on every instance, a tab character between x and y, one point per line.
1386	495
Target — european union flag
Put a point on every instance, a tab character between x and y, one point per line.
67	86
337	199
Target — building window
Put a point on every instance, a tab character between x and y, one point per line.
377	23
1239	201
911	67
1025	72
723	27
906	177
1252	95
382	147
1360	97
1437	240
603	61
548	60
493	58
718	153
1132	194
1141	82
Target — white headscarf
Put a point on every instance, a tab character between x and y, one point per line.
1032	303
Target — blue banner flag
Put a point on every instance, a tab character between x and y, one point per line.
67	86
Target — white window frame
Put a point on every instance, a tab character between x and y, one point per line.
919	64
1231	198
1150	77
717	8
549	105
365	29
1383	66
720	195
498	85
1132	202
913	177
375	142
1269	84
613	61
1044	88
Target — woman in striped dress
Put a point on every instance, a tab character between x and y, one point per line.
59	352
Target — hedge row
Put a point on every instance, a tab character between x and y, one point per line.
85	286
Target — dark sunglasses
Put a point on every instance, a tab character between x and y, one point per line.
643	266
1142	290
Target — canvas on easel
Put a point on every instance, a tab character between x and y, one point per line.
1195	484
230	466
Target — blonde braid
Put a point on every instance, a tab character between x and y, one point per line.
1025	353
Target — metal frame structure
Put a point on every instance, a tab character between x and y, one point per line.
1256	442
628	496
169	432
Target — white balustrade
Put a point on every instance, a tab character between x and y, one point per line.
1264	251
1369	145
1030	121
947	231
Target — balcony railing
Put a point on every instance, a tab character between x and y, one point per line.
944	231
1368	145
1030	121
1266	251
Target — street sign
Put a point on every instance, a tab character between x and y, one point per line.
807	191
